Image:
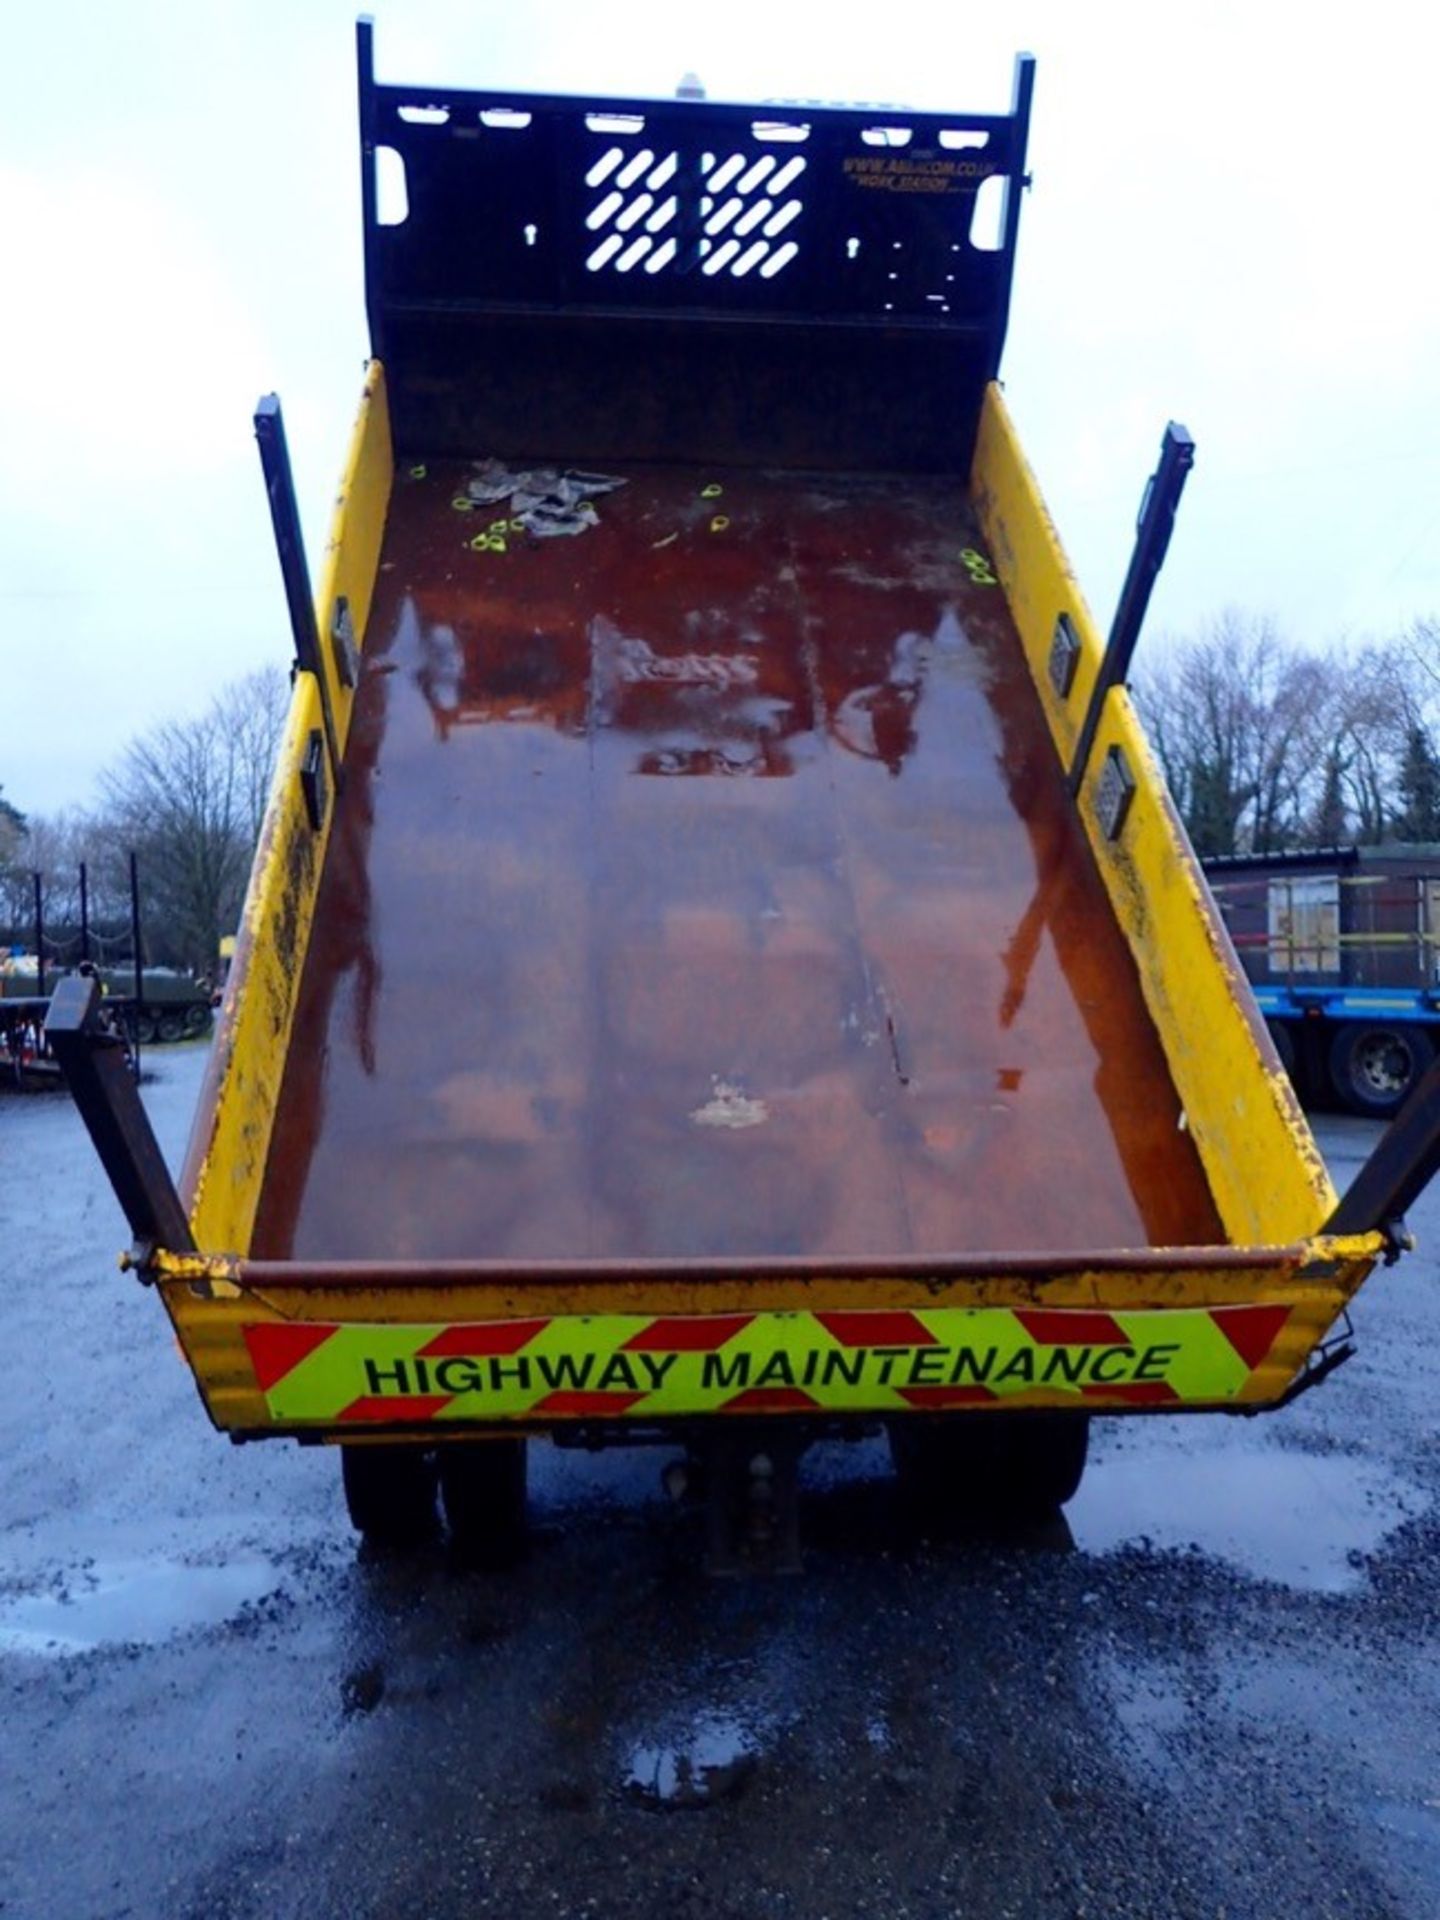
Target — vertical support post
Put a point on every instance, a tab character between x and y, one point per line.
369	197
39	880
1427	930
1021	97
84	912
139	960
135	927
92	1058
1289	931
294	571
1153	528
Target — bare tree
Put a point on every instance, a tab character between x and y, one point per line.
12	829
188	798
1422	644
1269	746
53	845
1289	694
1197	724
1235	718
254	710
1368	729
1376	725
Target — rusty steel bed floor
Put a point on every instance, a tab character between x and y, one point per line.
705	884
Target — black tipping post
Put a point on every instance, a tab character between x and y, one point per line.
369	192
294	571
1153	527
137	956
136	947
84	911
1403	1164
39	880
92	1057
1022	98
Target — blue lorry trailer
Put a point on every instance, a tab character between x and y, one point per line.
1342	949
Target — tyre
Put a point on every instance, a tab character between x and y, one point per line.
1283	1042
169	1027
482	1487
198	1020
1374	1069
991	1468
390	1494
142	1027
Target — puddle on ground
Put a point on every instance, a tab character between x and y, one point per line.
711	1760
1417	1829
877	1733
130	1603
1305	1520
1150	1704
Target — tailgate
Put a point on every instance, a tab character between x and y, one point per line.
331	1350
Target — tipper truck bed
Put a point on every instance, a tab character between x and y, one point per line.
720	965
708	893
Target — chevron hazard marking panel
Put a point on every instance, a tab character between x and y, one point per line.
648	1367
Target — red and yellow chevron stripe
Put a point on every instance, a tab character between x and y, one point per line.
647	1367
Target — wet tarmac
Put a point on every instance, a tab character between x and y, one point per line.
1215	1689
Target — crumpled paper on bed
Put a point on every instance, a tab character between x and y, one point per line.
543	500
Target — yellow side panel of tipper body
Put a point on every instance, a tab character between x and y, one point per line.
226	1160
1265	1171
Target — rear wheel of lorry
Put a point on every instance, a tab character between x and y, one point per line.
989	1469
390	1494
1283	1042
482	1486
1374	1069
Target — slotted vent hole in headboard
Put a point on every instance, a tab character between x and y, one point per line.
743	208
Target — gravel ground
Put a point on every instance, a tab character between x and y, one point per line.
1213	1690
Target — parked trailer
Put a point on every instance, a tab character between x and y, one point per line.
720	967
1342	948
151	1003
175	1007
25	1062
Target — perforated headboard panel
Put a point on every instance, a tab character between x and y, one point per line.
678	279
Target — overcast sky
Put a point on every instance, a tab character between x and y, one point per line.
1233	223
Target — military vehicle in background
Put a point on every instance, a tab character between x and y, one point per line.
172	1006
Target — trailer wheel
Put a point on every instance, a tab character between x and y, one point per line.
1283	1042
482	1486
390	1494
1374	1069
971	1470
